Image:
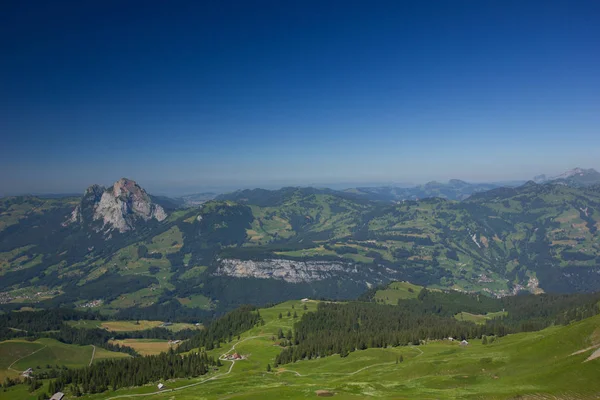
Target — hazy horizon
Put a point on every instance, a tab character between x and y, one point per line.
178	189
233	94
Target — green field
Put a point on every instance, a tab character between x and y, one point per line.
479	318
195	301
549	364
18	355
396	291
145	347
130	326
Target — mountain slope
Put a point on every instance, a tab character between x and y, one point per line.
548	364
576	177
264	246
454	189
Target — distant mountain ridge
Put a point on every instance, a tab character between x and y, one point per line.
454	189
134	253
576	177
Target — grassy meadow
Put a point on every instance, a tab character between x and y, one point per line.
396	291
550	364
146	347
130	326
18	355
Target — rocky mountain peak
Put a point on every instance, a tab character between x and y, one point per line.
120	207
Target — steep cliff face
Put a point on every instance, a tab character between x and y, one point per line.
119	207
296	271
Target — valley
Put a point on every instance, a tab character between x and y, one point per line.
263	246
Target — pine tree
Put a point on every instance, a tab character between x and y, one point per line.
268	367
484	340
280	316
295	315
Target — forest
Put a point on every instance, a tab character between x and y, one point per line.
341	328
118	373
223	329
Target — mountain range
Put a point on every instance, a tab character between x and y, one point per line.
126	252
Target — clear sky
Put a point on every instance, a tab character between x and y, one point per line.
189	95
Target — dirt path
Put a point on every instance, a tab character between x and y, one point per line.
420	351
19	359
349	373
93	354
594	355
586	349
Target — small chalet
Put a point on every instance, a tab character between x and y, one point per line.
57	396
464	343
304	300
160	386
27	373
236	356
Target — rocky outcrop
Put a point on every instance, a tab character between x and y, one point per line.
288	270
119	207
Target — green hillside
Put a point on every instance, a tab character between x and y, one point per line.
549	364
396	291
44	354
263	246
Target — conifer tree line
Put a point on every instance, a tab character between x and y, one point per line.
52	324
125	372
344	328
223	329
340	328
46	320
523	312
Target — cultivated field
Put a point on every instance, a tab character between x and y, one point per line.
145	347
130	326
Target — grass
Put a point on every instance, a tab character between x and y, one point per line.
145	347
56	353
18	355
396	291
167	242
536	365
130	326
479	318
195	301
193	272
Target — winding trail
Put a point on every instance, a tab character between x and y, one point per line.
420	351
19	359
212	378
349	373
93	354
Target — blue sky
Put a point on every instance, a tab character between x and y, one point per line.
184	96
